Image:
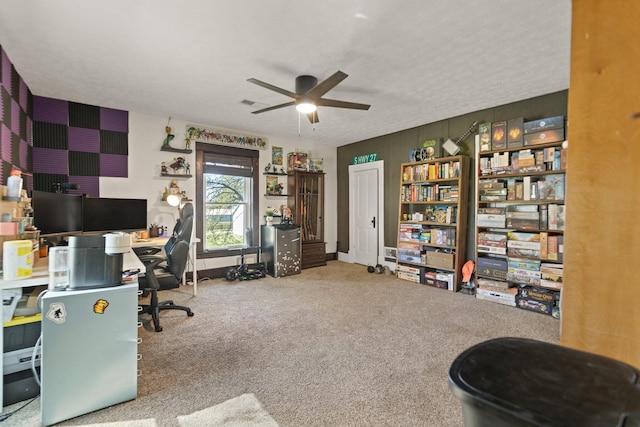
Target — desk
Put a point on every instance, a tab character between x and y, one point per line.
159	242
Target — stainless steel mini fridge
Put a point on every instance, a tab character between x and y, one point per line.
89	350
281	249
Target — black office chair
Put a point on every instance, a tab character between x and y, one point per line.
181	231
163	273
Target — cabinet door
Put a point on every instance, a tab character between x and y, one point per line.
310	205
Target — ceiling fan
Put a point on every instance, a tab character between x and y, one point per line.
308	95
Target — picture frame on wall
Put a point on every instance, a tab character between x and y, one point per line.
276	156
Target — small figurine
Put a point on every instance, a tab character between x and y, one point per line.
178	163
169	137
268	168
187	143
173	188
163	168
187	168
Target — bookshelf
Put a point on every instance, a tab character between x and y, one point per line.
432	223
520	194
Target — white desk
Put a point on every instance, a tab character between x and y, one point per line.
159	242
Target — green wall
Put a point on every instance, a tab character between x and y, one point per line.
394	148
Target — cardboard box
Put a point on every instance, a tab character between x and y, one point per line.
492	272
515	132
546	136
556	122
499	135
498	264
496	285
439	259
532	305
495	296
409	258
484	132
546	296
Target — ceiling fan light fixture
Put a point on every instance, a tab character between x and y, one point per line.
306	107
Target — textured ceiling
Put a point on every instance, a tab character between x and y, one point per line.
414	61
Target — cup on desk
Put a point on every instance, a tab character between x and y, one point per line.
144	234
58	268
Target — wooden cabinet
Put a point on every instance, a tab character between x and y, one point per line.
306	199
432	223
520	226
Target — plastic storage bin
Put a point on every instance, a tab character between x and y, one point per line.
521	382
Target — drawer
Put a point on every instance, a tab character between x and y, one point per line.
313	254
313	248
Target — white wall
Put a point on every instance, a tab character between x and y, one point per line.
146	134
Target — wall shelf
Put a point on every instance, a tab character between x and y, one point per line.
176	150
176	175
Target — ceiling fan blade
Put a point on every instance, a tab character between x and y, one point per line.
272	87
341	104
327	84
313	117
275	107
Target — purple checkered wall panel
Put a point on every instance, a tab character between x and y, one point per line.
88	185
117	120
51	161
114	165
6	71
50	110
81	139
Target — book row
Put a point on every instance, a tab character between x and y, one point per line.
520	244
515	133
524	161
439	279
546	216
532	298
427	171
513	270
429	193
425	235
547	187
435	213
429	257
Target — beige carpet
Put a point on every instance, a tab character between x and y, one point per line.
242	411
333	346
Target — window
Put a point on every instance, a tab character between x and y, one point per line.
226	186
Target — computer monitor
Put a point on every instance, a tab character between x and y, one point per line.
101	214
56	213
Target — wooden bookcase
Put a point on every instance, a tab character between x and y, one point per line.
305	192
432	222
520	226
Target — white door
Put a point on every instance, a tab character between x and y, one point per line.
367	221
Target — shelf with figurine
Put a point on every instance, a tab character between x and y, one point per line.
174	189
180	167
166	144
274	170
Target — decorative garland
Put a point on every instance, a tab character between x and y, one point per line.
217	137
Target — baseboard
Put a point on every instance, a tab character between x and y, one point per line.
219	273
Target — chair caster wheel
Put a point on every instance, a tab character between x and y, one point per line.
158	328
190	314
